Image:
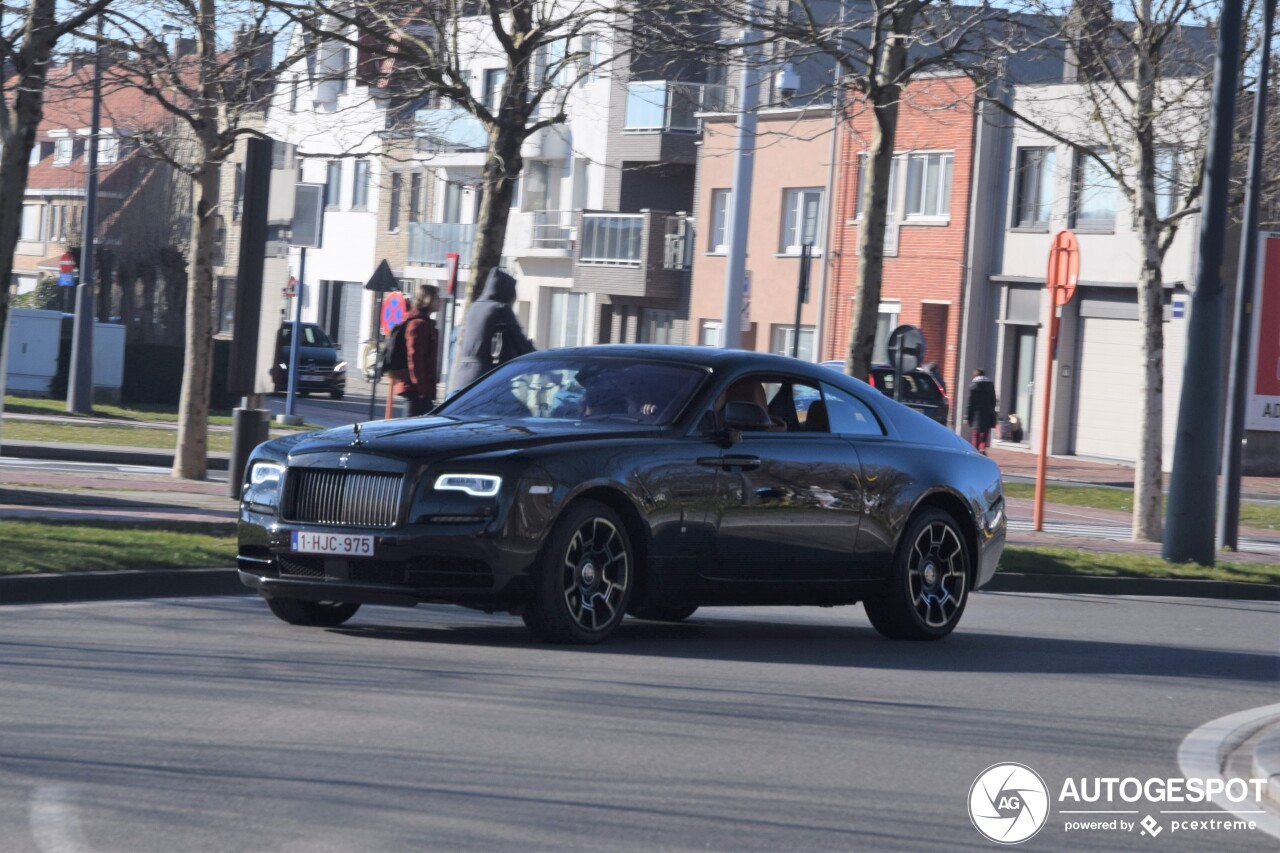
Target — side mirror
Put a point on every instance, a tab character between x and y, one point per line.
746	416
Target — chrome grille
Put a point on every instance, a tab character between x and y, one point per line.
354	498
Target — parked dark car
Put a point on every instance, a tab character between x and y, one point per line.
920	390
319	367
575	486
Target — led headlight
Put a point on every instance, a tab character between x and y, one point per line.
340	367
475	485
262	487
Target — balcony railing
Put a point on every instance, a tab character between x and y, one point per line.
612	238
431	242
664	105
677	243
450	130
551	229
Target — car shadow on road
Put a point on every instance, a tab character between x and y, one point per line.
859	646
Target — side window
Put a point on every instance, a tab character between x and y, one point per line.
847	415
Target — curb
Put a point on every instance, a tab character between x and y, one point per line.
1266	762
99	586
1203	754
104	455
1094	585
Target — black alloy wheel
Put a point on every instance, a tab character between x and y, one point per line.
314	614
582	586
929	586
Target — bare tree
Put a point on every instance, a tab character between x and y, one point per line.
26	52
429	50
213	85
1138	116
871	52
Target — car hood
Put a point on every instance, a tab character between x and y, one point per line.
430	438
320	355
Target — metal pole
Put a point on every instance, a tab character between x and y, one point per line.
1189	530
294	339
80	380
377	354
802	287
743	172
1241	334
1046	401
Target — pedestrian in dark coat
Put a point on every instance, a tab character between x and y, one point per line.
980	411
422	347
493	334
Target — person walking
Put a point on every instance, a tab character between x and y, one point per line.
422	347
493	334
980	410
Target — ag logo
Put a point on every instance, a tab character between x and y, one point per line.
1008	803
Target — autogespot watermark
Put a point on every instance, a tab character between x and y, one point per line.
1009	803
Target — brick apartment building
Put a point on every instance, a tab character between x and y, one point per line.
927	238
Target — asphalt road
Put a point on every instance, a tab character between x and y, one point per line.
207	725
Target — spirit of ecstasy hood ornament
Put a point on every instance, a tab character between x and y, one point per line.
355	440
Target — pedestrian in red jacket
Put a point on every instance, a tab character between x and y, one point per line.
422	348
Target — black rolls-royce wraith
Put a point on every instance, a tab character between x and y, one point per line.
576	486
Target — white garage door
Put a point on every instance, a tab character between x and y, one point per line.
1110	381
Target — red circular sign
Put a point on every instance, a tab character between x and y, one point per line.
67	263
392	311
1064	267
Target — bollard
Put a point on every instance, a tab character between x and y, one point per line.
249	428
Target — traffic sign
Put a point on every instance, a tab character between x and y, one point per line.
392	311
67	263
906	348
1061	279
66	279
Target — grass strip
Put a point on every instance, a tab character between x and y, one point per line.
137	412
1258	515
1068	561
75	546
117	436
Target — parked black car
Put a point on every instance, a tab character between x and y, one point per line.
576	486
920	390
319	367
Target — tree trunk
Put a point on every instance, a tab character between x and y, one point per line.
191	460
883	94
1147	505
32	64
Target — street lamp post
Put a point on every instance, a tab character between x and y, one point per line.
80	378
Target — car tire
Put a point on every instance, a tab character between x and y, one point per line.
927	590
314	614
662	614
584	578
337	395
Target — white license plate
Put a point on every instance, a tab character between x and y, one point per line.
313	379
302	542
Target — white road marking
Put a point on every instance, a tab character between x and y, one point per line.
55	826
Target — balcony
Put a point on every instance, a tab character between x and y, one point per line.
431	242
453	136
541	234
661	119
644	254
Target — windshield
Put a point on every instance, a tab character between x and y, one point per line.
579	388
312	336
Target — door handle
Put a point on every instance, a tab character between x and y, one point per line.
745	462
711	461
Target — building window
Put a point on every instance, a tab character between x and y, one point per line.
108	149
37	153
451	204
294	85
415	197
657	326
929	186
709	334
782	339
893	186
344	69
31	221
1034	188
886	322
1094	193
1166	181
393	222
493	80
360	186
63	149
333	185
567	326
220	244
58	223
237	199
719	222
802	212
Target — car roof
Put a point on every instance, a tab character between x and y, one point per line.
712	357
